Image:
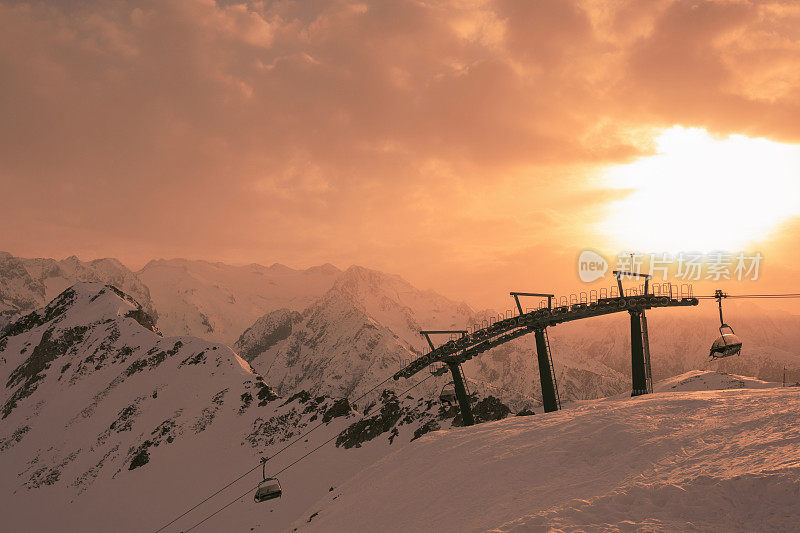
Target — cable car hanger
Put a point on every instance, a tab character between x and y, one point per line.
727	344
269	488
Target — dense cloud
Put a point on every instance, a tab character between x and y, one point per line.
393	134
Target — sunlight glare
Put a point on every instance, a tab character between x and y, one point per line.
700	193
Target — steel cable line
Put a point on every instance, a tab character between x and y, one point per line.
258	465
287	467
778	295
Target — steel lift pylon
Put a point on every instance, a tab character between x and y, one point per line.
457	373
641	375
547	375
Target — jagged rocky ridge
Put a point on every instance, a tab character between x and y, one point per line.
28	284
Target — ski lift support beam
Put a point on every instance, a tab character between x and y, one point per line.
428	332
479	341
543	355
516	296
455	370
619	273
639	341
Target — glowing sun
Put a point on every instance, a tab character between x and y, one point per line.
701	193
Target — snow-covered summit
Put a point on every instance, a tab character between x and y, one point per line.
393	302
27	284
361	330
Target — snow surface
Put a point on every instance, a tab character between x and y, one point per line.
720	460
701	380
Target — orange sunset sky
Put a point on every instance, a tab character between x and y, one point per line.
474	147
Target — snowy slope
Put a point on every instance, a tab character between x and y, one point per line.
708	460
28	284
218	302
99	411
702	380
363	329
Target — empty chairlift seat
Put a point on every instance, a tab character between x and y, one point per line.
269	489
448	394
727	344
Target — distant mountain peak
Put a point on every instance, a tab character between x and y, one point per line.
28	284
327	268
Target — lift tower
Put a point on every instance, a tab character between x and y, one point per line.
547	375
455	370
641	375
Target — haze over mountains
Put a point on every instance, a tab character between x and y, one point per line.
334	332
218	302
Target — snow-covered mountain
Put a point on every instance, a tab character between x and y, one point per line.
28	284
394	303
218	302
302	327
364	328
704	380
716	460
368	325
98	411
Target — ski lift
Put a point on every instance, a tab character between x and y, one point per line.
269	488
448	394
728	343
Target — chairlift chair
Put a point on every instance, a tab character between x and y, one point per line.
269	488
728	343
448	394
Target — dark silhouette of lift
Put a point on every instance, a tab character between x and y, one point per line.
455	390
448	394
635	302
727	344
269	488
